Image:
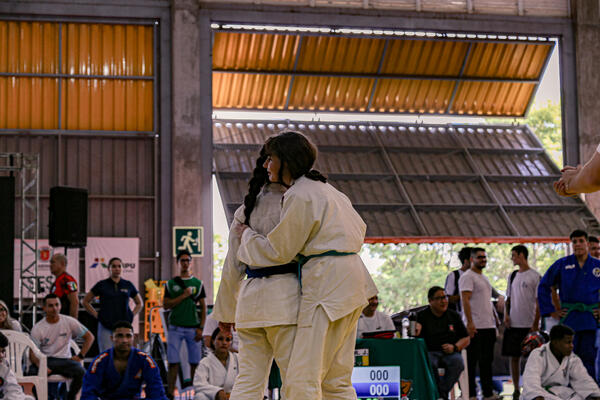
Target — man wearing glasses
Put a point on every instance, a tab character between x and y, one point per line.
445	336
119	372
182	293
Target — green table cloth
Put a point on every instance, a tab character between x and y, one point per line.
418	382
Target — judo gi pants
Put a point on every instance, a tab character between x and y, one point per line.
584	345
481	351
258	347
322	359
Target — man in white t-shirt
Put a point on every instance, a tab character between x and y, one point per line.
372	320
53	335
521	314
480	320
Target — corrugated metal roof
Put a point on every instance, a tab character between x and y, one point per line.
105	80
554	8
426	183
306	72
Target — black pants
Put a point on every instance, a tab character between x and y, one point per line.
481	351
69	369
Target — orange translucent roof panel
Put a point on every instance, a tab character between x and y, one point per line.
412	96
28	103
424	57
330	94
28	47
250	91
507	60
492	98
340	55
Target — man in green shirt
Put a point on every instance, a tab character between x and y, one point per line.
182	294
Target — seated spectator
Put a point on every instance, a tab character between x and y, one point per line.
9	388
119	372
372	320
53	335
445	336
6	322
209	327
216	372
554	372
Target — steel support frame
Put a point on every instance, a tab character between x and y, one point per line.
26	166
136	12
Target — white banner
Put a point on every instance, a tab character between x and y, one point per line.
100	250
45	278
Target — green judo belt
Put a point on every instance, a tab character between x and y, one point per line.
304	259
578	307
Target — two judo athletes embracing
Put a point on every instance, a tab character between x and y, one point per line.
321	231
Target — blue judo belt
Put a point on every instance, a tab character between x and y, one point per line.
290	268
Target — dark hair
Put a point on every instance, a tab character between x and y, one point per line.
213	337
114	259
475	250
560	331
296	152
593	239
49	296
260	178
182	253
3	341
432	291
520	249
578	233
464	254
122	324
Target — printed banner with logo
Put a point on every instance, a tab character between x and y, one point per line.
45	277
100	250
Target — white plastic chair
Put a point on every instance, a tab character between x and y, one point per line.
19	343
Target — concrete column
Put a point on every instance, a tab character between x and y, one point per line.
587	39
192	129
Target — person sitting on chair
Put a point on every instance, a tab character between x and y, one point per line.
445	336
9	388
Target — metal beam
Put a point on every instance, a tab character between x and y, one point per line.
381	60
460	74
289	93
75	76
372	76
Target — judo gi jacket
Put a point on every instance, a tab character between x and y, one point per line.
316	218
9	388
103	382
575	285
256	302
211	376
543	376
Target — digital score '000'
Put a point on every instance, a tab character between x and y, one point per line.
377	382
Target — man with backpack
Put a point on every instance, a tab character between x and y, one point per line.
521	314
451	286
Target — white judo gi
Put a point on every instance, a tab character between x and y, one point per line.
316	218
544	377
264	310
9	387
212	376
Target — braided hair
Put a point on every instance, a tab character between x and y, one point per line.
260	178
297	153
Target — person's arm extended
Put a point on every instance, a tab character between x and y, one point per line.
138	304
466	303
462	343
580	179
87	304
285	241
74	306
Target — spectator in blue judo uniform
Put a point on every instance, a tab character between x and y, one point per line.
577	278
118	373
